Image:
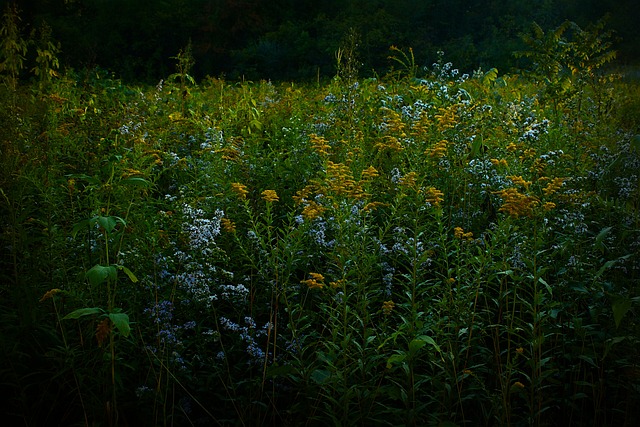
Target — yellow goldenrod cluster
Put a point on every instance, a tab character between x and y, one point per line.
421	126
240	190
518	180
103	329
512	147
340	182
49	294
439	150
373	206
270	196
387	307
389	142
315	282
312	210
459	233
338	284
434	196
233	152
128	173
501	162
369	173
528	153
446	119
319	144
553	186
228	225
547	206
538	166
517	204
393	122
410	181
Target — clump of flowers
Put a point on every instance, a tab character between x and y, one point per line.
517	204
387	307
433	196
459	233
240	190
315	282
270	196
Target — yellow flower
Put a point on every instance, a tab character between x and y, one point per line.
512	147
517	204
501	162
548	206
553	186
319	144
439	150
518	180
239	189
312	210
434	196
459	233
447	118
270	196
519	350
373	205
50	294
228	225
369	173
409	180
315	282
387	307
340	283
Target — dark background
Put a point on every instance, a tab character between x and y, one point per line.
297	39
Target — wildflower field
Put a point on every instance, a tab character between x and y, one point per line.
421	248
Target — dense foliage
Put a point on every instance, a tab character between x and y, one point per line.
423	248
284	39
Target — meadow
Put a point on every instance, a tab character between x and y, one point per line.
425	247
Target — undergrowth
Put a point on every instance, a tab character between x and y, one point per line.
425	248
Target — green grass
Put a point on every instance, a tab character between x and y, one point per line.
438	251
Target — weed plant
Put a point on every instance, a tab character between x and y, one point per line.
426	248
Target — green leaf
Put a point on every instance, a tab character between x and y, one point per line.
395	358
121	320
546	285
489	77
129	273
107	222
620	308
320	376
136	182
76	314
428	340
99	273
85	223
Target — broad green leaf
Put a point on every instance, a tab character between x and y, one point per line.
85	223
121	320
416	344
546	285
320	376
129	273
395	358
107	222
620	308
136	182
428	340
76	314
99	273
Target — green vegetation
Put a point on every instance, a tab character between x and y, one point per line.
421	248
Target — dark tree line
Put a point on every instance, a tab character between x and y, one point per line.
287	39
